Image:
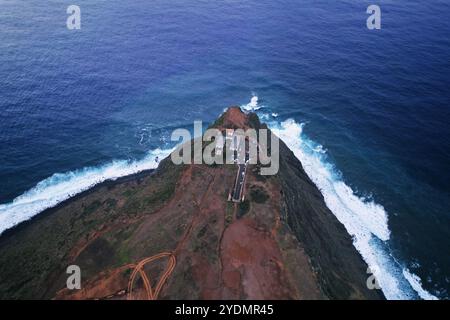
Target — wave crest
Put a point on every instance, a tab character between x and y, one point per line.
62	186
365	221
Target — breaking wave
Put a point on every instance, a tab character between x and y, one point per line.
62	186
365	221
252	105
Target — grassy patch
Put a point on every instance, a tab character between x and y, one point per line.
202	232
244	207
34	258
129	192
132	206
160	195
229	213
110	203
127	272
259	195
123	257
93	206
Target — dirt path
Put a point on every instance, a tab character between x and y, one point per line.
151	295
138	269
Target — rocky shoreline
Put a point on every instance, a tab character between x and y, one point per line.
283	244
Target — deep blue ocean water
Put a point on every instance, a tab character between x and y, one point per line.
371	107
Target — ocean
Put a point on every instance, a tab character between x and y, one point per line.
366	111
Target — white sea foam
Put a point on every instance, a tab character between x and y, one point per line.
61	186
369	215
365	221
319	148
416	283
252	105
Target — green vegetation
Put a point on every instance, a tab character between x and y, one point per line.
218	122
92	207
123	257
244	207
132	206
253	120
259	195
229	213
130	192
202	232
127	272
160	196
206	244
110	203
44	248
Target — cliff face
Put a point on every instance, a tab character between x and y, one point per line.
340	269
172	234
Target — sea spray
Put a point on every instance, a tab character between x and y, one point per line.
365	221
62	186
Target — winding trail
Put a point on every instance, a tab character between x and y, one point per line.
139	268
151	295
